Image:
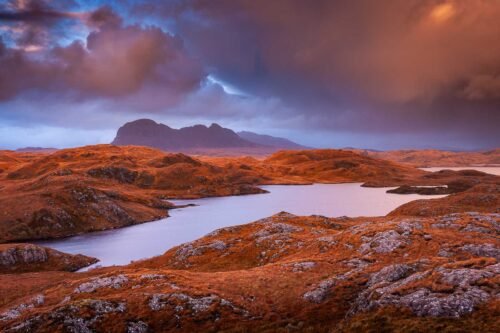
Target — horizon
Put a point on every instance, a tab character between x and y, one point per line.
389	76
208	125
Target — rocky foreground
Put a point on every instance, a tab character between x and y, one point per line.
20	258
288	273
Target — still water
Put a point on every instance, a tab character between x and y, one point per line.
120	246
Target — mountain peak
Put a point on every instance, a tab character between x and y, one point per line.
147	132
215	126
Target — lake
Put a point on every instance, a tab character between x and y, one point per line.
120	246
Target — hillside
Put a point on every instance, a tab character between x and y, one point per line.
437	158
287	273
269	141
21	258
102	187
93	188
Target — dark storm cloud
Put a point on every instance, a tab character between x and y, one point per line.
428	67
33	24
372	65
104	16
31	10
115	61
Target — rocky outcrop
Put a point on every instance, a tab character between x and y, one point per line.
17	258
460	299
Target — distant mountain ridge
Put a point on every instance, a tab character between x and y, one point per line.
271	141
147	132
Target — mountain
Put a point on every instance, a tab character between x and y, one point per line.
270	141
199	139
146	132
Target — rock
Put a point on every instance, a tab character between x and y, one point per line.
382	242
115	282
137	327
446	221
103	307
406	227
328	240
428	237
21	308
189	250
390	274
23	254
422	302
482	250
303	266
319	294
276	228
425	303
357	263
466	276
180	302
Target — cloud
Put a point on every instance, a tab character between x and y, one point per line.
104	17
483	87
427	68
115	61
360	65
31	24
30	11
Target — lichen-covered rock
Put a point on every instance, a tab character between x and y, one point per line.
425	303
382	242
191	249
464	297
102	282
320	292
276	228
180	302
390	274
21	308
406	227
482	250
303	266
22	257
137	327
23	254
464	277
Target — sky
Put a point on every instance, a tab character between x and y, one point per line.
385	74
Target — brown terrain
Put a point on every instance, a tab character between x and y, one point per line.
287	273
17	258
430	265
101	187
437	158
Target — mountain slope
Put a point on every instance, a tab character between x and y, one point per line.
268	140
